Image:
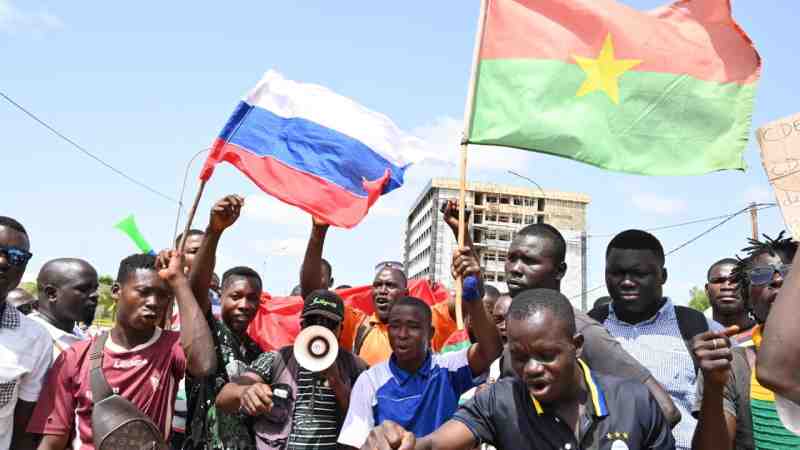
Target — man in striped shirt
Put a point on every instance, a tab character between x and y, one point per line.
648	325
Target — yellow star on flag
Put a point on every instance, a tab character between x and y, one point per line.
602	74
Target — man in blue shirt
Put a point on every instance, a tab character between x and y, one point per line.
555	401
648	325
415	388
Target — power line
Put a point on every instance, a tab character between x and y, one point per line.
86	152
683	224
726	218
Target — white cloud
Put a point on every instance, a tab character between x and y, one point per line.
385	208
759	194
441	141
13	19
656	204
292	246
265	208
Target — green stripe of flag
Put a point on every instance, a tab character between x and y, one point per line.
664	124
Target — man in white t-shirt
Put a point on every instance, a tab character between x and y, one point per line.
67	290
25	347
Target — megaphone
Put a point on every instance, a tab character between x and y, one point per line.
316	348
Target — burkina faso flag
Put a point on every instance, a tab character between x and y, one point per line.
665	92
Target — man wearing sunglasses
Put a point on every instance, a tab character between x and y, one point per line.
734	410
26	347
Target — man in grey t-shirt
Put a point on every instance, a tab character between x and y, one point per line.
535	259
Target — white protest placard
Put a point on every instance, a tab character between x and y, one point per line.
780	154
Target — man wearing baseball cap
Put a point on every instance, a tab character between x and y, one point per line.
295	407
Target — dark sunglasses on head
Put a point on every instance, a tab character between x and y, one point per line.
15	255
761	275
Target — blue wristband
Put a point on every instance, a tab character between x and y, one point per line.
470	291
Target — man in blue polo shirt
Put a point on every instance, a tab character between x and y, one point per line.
416	388
555	401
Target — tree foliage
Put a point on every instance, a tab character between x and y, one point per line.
698	299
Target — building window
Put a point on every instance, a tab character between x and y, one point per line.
491	199
540	219
504	200
529	220
478	217
541	204
529	201
491	217
501	277
504	218
516	218
505	236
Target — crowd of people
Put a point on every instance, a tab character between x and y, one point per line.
180	370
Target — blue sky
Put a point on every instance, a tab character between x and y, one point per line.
145	85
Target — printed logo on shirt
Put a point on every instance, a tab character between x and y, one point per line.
619	445
155	381
619	440
128	363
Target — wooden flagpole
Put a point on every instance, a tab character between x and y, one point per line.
191	215
462	191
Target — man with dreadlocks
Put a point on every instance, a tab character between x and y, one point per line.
734	410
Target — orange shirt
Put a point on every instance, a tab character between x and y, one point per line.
376	348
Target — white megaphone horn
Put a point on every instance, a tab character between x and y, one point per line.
316	348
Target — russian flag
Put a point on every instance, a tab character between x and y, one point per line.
313	148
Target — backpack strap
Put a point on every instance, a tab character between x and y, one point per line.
599	314
691	323
364	328
100	387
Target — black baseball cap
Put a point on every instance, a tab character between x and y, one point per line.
324	303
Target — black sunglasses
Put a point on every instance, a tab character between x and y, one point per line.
761	275
15	255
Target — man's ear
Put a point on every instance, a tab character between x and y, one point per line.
562	271
577	341
663	275
115	291
50	292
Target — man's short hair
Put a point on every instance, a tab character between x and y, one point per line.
415	303
240	272
190	233
637	240
531	301
133	263
549	233
8	222
721	262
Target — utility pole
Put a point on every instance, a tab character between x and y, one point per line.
584	272
754	220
